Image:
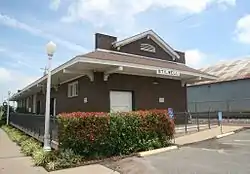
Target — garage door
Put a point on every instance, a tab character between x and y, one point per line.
120	101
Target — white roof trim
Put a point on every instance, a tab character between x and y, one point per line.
133	65
156	38
54	71
105	62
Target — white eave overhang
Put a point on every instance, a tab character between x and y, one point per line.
119	66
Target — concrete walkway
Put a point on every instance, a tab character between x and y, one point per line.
204	135
13	162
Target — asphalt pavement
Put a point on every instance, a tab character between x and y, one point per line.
228	155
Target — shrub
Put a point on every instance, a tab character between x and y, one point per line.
14	134
65	158
2	120
97	135
69	156
84	133
52	165
30	145
19	137
41	157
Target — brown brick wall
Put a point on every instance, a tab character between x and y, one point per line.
134	48
146	94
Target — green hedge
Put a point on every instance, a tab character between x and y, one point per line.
97	135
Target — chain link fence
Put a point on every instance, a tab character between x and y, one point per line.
239	105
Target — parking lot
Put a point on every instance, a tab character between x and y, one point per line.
229	155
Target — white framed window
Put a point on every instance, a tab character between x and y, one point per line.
73	89
148	48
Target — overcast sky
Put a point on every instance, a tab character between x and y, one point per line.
207	30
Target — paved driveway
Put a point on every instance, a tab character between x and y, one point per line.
224	156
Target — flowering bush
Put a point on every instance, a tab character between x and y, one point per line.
96	135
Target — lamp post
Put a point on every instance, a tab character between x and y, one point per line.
8	108
50	48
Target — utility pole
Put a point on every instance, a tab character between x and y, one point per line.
45	70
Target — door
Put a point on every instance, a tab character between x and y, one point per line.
38	107
34	104
120	101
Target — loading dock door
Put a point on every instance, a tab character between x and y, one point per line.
120	101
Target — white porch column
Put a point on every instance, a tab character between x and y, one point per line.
34	104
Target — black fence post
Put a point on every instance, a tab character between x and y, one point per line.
38	133
197	120
209	123
186	121
217	118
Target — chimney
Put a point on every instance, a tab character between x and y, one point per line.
103	41
182	57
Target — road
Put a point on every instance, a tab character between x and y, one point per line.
228	155
224	156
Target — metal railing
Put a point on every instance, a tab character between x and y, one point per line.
34	125
186	122
192	122
189	122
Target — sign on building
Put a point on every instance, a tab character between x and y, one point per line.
168	72
171	113
220	116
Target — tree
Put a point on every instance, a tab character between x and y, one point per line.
3	112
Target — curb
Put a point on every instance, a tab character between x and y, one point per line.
156	151
215	137
225	134
192	143
242	129
231	133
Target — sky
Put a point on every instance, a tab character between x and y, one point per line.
208	31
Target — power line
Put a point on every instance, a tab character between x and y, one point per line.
210	7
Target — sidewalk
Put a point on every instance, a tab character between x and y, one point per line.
13	162
204	135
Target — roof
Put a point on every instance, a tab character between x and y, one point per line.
228	71
154	36
114	58
131	58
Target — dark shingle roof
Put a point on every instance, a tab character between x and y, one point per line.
129	58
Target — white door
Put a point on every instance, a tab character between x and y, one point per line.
120	101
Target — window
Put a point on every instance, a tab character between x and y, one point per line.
73	89
148	48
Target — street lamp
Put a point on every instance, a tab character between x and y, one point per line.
50	48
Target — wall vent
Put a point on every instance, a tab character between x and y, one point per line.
148	48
